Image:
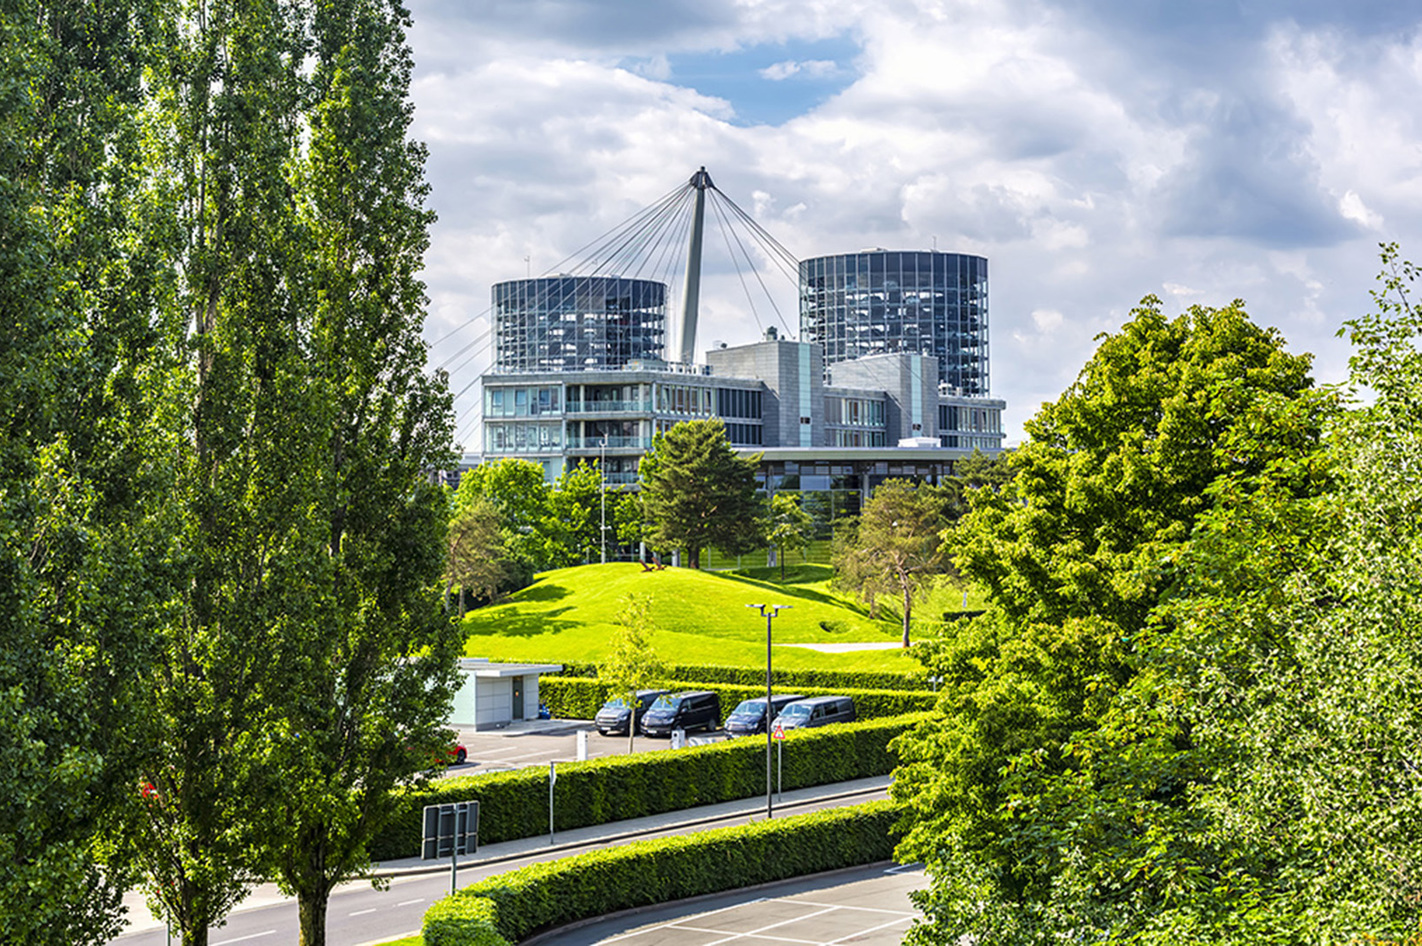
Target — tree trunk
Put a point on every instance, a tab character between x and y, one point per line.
311	909
908	603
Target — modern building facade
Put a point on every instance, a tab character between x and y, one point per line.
571	323
877	302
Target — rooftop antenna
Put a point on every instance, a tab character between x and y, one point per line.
690	298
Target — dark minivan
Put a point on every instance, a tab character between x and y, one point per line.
816	711
614	716
695	709
748	718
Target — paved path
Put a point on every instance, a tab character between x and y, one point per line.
864	906
361	915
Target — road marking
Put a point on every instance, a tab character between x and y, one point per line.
363	912
406	903
872	929
241	939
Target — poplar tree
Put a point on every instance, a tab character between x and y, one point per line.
375	649
80	537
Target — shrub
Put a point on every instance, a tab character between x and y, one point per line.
515	804
580	697
522	902
750	676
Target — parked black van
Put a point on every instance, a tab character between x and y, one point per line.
817	711
615	717
695	709
748	718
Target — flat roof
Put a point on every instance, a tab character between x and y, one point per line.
484	668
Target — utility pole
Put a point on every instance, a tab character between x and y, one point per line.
769	615
602	490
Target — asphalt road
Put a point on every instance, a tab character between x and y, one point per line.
360	914
552	741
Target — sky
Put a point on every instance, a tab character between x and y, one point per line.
1095	151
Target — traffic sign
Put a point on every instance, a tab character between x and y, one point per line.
777	732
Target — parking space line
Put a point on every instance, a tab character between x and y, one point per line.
873	929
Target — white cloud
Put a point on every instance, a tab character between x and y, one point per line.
815	68
1057	146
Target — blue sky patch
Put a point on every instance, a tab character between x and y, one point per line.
771	83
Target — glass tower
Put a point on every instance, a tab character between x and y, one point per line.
572	323
880	301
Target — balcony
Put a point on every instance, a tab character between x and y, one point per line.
609	407
596	443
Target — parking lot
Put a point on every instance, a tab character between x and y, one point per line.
538	742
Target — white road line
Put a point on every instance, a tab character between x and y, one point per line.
242	939
362	912
872	929
839	906
673	923
406	903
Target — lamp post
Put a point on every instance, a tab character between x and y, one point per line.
602	496
769	615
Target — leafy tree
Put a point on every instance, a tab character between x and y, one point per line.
521	495
631	664
789	526
696	493
895	545
369	706
1057	794
474	554
627	516
572	529
82	536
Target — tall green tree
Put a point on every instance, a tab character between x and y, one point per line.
372	650
697	494
788	526
522	497
226	91
1056	794
896	544
475	563
82	541
573	528
632	663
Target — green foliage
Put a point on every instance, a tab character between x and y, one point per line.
789	527
515	804
573	527
580	697
631	664
1060	792
895	546
780	676
522	902
475	562
696	493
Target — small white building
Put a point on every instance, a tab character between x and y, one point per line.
493	695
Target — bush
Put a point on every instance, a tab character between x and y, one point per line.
523	902
580	697
515	804
750	676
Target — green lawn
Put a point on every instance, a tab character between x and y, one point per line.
701	618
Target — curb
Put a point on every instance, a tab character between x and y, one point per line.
607	838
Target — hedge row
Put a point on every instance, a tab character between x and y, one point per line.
749	676
580	697
511	907
515	804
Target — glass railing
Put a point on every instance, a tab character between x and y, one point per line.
593	443
588	407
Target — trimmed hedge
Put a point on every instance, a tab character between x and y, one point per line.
511	907
515	804
750	676
580	697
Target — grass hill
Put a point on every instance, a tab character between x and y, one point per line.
701	618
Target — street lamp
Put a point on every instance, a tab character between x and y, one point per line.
770	614
602	491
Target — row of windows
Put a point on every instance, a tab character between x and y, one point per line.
856	438
970	443
683	399
734	402
854	411
745	435
974	419
522	402
523	438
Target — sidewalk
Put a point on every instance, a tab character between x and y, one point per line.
492	854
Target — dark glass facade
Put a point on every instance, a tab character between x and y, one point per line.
883	301
567	323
